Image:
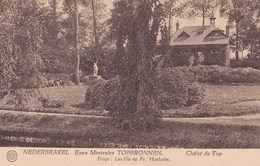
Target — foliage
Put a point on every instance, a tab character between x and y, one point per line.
58	34
20	42
52	80
57	58
245	15
197	8
51	103
175	88
136	23
103	95
226	75
245	63
22	99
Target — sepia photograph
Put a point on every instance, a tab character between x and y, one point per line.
135	76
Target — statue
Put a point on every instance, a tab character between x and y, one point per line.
201	58
95	69
191	60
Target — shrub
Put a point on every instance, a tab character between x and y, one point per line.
87	80
175	88
245	63
217	74
103	94
57	79
21	99
52	103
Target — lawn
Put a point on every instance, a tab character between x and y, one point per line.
75	131
59	130
220	100
223	100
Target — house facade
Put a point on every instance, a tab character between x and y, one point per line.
195	45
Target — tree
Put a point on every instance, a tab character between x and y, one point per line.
91	29
20	42
98	30
136	23
245	15
20	33
77	79
197	8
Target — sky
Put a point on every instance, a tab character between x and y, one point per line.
220	22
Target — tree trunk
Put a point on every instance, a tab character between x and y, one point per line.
203	16
237	39
170	19
94	22
55	22
77	81
237	30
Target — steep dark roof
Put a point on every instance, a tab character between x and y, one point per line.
199	35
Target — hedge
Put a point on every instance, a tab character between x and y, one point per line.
217	74
245	63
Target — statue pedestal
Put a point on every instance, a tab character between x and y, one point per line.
92	77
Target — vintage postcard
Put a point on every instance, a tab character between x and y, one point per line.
129	82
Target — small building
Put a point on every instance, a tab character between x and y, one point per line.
206	45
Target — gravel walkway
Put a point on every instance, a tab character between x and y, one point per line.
250	120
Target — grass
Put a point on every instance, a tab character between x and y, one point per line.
64	131
227	94
210	110
71	95
71	131
220	100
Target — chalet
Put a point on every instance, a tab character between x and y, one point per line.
207	45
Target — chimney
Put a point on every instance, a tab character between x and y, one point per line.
228	29
212	19
177	25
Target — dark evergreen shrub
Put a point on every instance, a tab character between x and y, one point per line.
103	94
176	88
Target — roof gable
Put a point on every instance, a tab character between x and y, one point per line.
199	35
216	34
183	35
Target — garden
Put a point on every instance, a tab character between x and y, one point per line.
75	75
197	92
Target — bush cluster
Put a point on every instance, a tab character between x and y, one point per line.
56	79
175	88
48	102
245	63
103	94
217	74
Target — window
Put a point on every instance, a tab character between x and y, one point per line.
183	35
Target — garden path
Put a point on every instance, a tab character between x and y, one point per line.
250	120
